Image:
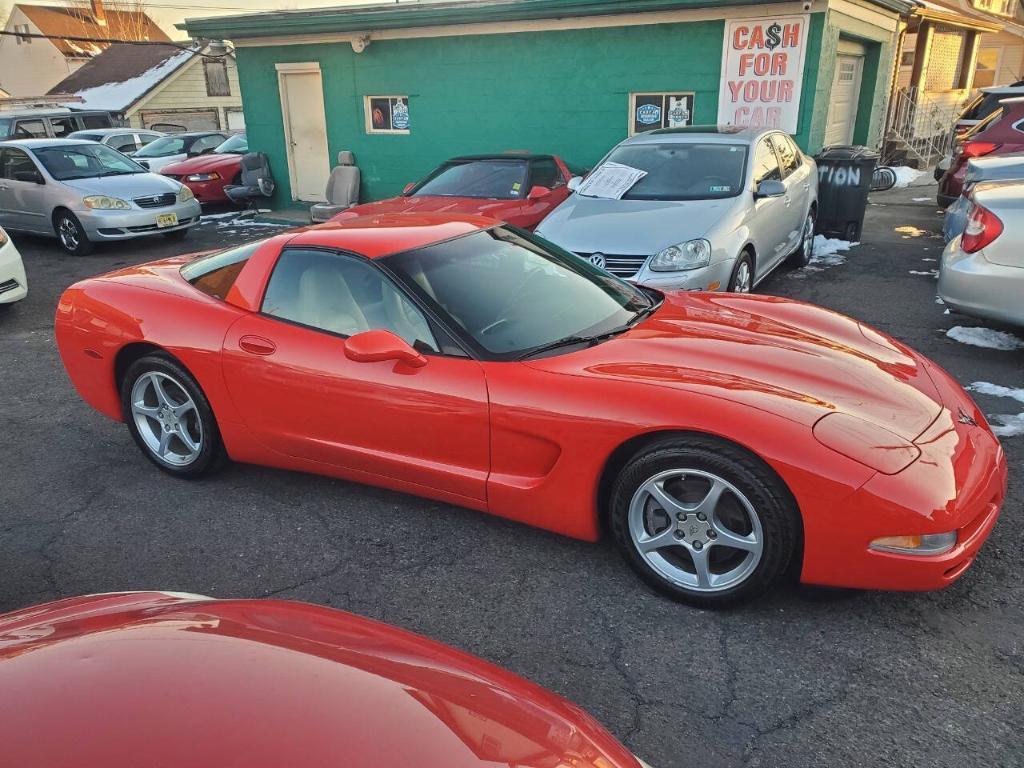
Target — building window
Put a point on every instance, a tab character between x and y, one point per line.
998	7
386	114
987	68
22	29
650	111
217	82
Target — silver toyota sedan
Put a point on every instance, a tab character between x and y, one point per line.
84	193
716	209
982	270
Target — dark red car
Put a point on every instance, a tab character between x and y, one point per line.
1003	137
520	189
207	175
164	679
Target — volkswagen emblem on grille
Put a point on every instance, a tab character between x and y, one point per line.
597	259
966	418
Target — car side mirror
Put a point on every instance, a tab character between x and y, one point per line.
575	182
770	188
379	346
408	188
31	176
538	193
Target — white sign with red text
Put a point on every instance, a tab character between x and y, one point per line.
762	71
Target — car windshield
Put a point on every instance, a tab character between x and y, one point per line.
490	179
515	295
683	171
236	145
85	161
163	147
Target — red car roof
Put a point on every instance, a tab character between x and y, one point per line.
385	234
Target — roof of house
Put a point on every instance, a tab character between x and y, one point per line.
120	76
79	22
961	12
381	15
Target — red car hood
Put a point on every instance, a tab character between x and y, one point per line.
433	204
203	164
794	359
110	679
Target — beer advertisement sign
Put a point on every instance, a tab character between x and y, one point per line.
762	72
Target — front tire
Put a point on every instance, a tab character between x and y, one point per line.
703	521
71	234
802	256
170	418
742	279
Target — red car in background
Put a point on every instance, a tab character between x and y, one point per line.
167	679
1003	137
207	175
520	189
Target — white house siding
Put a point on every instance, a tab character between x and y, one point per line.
185	92
32	68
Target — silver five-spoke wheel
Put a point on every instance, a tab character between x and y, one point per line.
167	419
744	280
696	530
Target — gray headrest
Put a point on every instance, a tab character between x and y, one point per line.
346	158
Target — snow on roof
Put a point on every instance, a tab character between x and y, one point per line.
120	76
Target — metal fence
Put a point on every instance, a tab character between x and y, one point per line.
920	127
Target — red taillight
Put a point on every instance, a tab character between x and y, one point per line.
983	227
978	148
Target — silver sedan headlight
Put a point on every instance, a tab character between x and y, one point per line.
185	194
105	203
693	254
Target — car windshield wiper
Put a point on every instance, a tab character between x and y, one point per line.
568	341
116	173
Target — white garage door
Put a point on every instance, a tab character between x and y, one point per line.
842	110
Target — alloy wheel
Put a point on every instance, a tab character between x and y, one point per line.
744	278
696	530
808	246
70	237
167	419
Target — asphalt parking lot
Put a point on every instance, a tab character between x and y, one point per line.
807	677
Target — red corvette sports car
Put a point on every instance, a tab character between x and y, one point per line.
516	188
720	438
164	679
207	175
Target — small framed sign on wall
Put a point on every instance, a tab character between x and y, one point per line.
650	111
386	114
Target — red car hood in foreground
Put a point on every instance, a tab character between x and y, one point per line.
126	680
496	209
205	164
779	355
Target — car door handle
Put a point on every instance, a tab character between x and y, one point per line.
257	345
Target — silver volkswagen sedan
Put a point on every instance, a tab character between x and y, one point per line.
717	208
84	193
982	270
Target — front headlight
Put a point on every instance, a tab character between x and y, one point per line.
104	203
693	254
185	194
203	177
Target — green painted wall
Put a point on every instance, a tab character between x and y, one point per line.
565	92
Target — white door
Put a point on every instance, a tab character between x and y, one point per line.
305	129
842	110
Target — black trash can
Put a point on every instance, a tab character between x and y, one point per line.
844	180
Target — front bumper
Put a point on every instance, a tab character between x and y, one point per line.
13	284
206	191
970	283
714	277
138	222
958	484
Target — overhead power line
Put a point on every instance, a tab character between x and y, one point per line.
109	41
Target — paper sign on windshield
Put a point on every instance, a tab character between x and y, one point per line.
611	181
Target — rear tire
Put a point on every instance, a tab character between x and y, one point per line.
71	234
170	418
666	519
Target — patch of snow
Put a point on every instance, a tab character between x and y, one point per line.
927	259
995	390
946	312
938	300
828	252
986	338
905	176
922	199
118	96
930	273
1004	424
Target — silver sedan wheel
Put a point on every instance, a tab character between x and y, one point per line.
744	278
808	244
69	234
696	530
167	419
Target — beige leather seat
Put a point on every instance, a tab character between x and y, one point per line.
342	189
325	301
